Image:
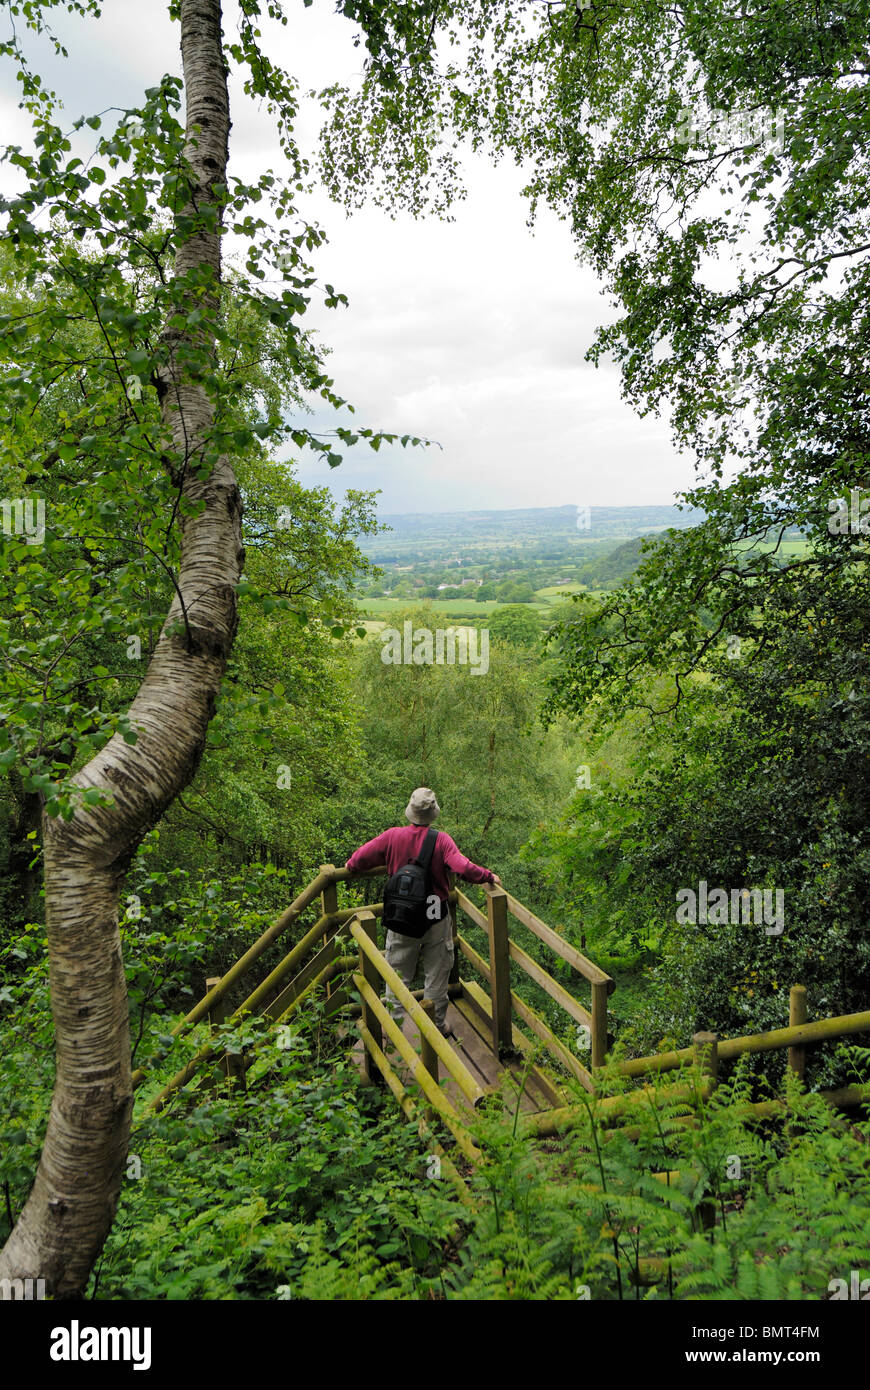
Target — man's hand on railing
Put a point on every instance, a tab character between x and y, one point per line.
496	880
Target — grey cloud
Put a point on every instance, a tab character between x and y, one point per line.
471	332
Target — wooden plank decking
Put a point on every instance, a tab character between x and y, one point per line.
473	1043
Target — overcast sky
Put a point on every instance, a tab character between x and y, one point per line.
471	333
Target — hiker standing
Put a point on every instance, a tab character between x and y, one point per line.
396	848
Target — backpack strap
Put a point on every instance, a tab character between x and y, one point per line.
427	849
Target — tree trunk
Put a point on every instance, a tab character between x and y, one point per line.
70	1209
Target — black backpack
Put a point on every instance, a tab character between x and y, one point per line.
406	895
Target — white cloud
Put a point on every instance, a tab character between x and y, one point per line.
471	332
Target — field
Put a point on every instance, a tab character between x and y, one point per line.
547	601
451	608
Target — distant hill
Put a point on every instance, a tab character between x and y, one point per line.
527	523
614	566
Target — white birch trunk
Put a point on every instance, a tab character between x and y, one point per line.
70	1209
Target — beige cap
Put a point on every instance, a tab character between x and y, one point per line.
423	807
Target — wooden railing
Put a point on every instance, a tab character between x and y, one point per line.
505	1002
797	1037
295	975
376	1020
326	952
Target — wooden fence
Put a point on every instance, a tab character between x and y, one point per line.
505	1003
326	952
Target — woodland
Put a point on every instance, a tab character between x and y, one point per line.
195	715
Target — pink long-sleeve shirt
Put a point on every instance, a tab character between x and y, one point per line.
402	843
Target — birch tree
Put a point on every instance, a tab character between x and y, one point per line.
118	464
130	783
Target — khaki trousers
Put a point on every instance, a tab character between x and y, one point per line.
436	948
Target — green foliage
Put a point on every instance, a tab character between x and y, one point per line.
743	637
790	1200
469	736
94	322
756	780
519	626
285	734
28	1066
305	1186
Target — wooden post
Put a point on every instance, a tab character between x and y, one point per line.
428	1055
329	905
707	1054
454	970
797	1014
499	964
599	1024
369	924
218	1012
230	1067
706	1047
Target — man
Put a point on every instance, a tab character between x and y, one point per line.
395	848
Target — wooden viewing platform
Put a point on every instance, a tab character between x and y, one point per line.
500	1042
